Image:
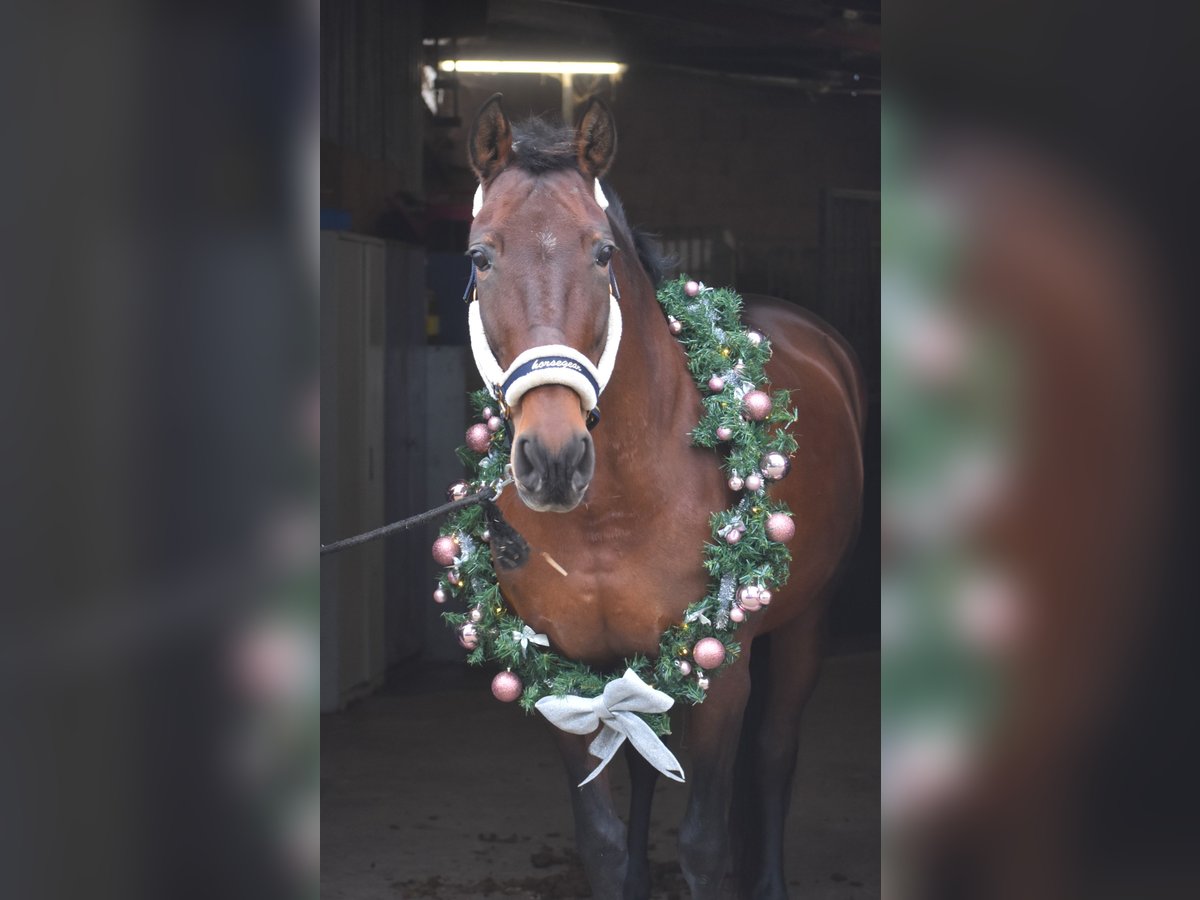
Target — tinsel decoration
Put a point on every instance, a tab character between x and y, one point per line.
707	323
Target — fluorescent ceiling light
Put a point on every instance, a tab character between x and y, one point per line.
530	66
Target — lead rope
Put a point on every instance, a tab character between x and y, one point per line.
486	496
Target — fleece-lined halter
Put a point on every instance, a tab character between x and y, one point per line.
548	363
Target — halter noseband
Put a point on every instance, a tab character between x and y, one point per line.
547	363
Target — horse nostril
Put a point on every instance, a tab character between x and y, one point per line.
559	475
526	456
584	463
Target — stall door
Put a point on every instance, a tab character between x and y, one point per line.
352	496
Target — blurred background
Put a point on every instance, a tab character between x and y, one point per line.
159	390
1037	594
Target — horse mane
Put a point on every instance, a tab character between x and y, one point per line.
541	145
658	265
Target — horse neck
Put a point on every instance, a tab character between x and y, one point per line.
650	398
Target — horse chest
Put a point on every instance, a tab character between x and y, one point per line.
626	581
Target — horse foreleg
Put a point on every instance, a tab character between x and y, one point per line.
642	778
745	824
792	668
599	832
713	731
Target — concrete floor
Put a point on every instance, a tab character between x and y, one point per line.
431	788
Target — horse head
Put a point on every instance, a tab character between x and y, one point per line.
544	319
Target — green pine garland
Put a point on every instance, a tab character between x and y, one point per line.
715	341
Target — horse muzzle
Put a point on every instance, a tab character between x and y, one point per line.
553	479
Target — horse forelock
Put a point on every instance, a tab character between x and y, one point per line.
541	146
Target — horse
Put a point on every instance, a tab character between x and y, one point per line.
623	510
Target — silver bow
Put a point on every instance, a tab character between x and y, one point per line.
734	522
527	636
616	709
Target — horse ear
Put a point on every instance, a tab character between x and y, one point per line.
490	141
596	138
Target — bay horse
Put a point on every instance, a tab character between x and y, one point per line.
624	509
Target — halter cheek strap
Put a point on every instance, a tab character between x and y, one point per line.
548	363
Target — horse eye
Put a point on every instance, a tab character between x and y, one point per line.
604	254
479	258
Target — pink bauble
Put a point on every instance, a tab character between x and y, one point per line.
692	288
476	614
749	599
675	325
724	432
775	466
753	482
685	667
506	687
455	577
478	437
732	536
737	615
495	423
439	596
780	527
468	636
716	384
754	337
487	413
764	597
702	682
708	653
736	483
756	405
457	491
445	549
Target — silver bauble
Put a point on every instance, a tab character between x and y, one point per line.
775	466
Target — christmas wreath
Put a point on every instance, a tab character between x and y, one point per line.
746	559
